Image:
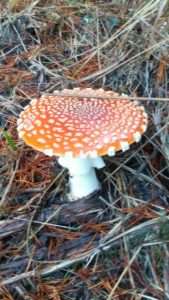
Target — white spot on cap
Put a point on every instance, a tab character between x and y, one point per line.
58	139
46	126
42	131
48	152
29	127
106	140
19	121
58	129
78	145
136	102
145	115
144	127
41	140
86	140
124	146
69	134
62	120
114	138
49	136
27	107
124	95
51	121
55	145
21	126
33	101
111	151
56	92
21	133
22	113
99	146
78	134
38	122
74	140
34	131
137	136
123	136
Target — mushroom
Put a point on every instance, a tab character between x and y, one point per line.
80	126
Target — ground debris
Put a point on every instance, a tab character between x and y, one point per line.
114	244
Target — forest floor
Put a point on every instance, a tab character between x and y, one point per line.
115	244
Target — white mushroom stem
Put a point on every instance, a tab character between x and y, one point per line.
83	180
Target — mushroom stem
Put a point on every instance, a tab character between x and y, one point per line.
83	180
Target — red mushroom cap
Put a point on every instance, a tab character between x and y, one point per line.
82	122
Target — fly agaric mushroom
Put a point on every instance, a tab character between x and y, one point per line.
80	126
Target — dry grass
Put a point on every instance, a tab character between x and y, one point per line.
114	246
